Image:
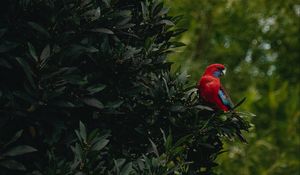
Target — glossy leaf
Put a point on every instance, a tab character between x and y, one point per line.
19	150
27	70
93	102
32	51
103	30
96	88
82	131
12	164
100	145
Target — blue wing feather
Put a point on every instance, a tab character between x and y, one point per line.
224	98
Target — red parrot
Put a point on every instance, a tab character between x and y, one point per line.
210	89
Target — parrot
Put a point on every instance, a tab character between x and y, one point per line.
211	90
213	93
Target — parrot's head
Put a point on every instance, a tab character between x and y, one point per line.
216	70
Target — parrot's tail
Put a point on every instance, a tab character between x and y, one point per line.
238	104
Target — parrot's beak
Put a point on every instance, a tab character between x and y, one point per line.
223	71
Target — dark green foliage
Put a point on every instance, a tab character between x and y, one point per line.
102	63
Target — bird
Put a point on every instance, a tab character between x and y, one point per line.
211	90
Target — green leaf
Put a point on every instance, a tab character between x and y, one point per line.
182	140
156	7
124	13
154	148
166	86
27	70
103	30
100	144
162	12
12	164
201	107
166	22
102	137
119	162
148	43
177	44
93	102
77	151
164	135
32	51
107	2
15	138
145	11
91	49
82	131
93	134
45	53
178	31
115	104
19	150
96	88
140	164
126	169
78	135
177	150
169	141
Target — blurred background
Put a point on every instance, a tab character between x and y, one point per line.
259	42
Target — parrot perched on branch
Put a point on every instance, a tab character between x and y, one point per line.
211	90
213	93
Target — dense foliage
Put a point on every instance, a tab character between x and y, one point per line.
259	42
86	89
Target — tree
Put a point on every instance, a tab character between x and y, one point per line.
259	43
90	92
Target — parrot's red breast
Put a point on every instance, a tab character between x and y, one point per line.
211	90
